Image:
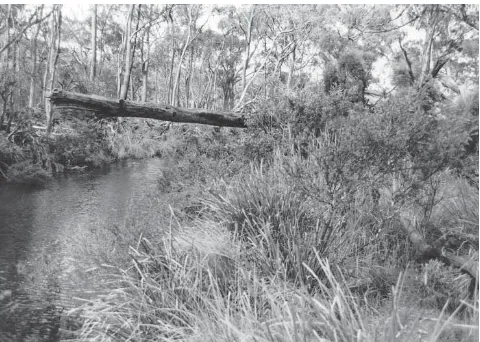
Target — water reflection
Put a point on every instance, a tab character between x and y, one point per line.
50	236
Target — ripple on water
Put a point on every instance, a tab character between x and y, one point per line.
50	241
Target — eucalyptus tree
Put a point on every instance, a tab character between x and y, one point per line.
51	68
284	38
34	54
145	56
93	64
16	20
209	49
190	15
129	49
110	43
243	21
441	40
229	60
443	32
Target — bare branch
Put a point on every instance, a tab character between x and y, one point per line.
409	64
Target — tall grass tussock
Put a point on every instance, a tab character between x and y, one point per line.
269	258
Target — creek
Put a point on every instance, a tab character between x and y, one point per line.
51	237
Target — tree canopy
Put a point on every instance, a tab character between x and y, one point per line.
225	57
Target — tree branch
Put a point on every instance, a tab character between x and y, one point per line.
409	64
30	24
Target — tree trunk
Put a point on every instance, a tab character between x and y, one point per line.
156	84
119	76
170	72
13	71
93	66
52	63
426	57
188	78
132	88
291	70
133	53
14	94
128	54
8	22
111	108
11	104
145	62
188	41
248	41
6	64
176	84
33	76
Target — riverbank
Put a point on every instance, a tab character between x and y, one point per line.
77	143
80	143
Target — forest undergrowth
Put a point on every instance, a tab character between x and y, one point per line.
293	231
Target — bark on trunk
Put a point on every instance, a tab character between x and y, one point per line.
52	64
156	84
176	84
426	57
93	67
145	65
5	93
191	36
128	53
170	70
119	75
188	78
121	108
291	70
33	76
248	41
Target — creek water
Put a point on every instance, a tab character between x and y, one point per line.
47	235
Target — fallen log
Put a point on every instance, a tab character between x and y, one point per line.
105	107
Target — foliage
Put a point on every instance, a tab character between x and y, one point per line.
9	154
294	228
352	75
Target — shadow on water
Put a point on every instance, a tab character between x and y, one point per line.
49	238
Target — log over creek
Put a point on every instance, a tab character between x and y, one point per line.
104	107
